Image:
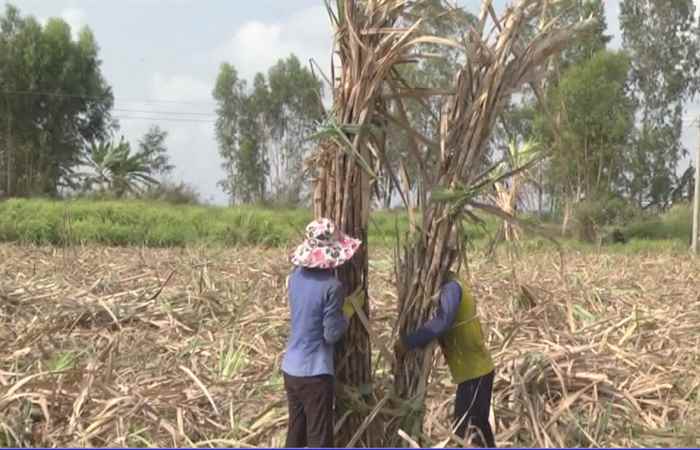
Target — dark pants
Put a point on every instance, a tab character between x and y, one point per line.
310	411
472	407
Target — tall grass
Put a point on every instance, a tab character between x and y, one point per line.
159	224
676	224
153	224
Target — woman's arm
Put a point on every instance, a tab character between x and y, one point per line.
334	321
450	299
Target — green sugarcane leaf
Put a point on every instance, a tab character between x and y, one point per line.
330	129
447	195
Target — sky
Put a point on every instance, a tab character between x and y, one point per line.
161	58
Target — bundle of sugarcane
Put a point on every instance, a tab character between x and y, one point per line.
368	44
497	63
506	198
509	194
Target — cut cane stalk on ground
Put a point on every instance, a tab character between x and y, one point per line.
626	379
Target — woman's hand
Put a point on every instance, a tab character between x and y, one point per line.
357	298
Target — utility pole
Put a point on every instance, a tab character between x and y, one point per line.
696	200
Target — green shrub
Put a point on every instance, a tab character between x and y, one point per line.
676	223
173	193
162	224
591	215
137	222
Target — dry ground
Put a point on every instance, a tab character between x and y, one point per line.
140	347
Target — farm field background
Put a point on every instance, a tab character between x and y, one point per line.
135	313
160	224
139	346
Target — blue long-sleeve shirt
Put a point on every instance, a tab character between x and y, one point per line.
315	299
450	300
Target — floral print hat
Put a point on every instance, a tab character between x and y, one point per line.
325	247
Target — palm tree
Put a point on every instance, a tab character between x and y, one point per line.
116	169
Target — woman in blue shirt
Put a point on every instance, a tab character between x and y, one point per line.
320	315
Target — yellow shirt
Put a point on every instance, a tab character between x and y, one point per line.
463	345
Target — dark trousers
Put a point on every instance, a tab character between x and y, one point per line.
310	411
472	407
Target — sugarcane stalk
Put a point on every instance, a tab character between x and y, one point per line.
495	68
342	191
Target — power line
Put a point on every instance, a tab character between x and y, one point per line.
176	113
87	97
165	119
154	116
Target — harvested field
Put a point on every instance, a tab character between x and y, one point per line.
143	347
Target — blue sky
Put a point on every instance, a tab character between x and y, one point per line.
162	56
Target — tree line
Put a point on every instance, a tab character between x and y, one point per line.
263	131
58	135
613	118
608	121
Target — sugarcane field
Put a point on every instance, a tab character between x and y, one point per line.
350	224
171	348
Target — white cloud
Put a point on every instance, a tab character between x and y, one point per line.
76	18
163	2
257	45
613	19
180	88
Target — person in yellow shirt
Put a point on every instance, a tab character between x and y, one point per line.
457	328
